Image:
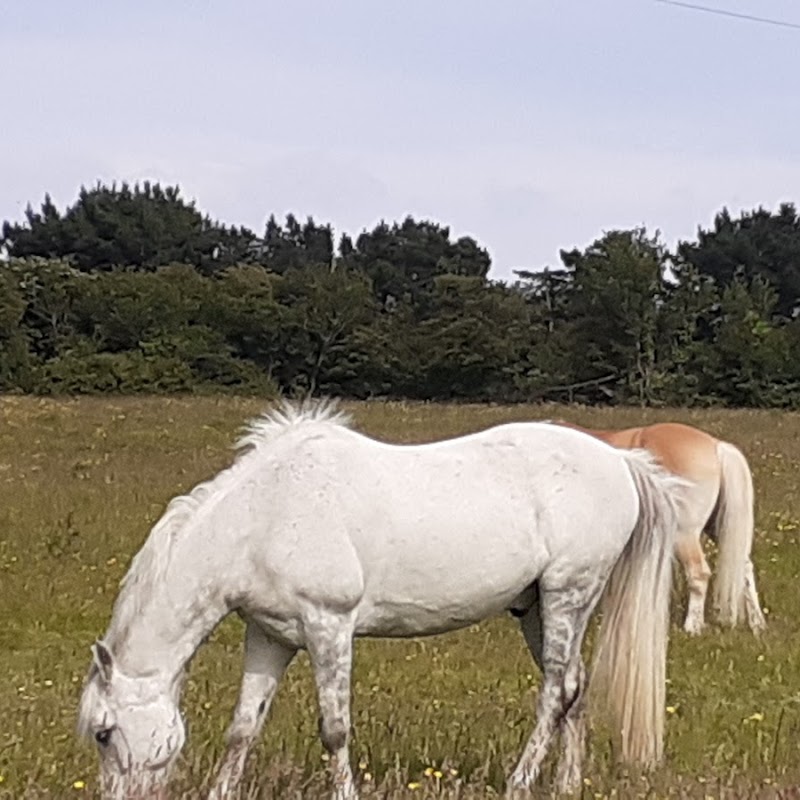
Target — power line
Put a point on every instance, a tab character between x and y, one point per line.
722	12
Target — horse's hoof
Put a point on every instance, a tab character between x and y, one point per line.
694	628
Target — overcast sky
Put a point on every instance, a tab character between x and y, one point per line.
532	126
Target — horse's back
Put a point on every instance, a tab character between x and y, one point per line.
682	449
686	452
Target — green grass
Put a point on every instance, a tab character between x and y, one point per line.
82	481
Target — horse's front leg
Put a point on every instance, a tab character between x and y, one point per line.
265	661
329	639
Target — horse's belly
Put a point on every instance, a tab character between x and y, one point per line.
399	619
427	596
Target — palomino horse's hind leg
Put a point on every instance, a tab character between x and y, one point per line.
555	641
265	661
755	616
690	554
329	639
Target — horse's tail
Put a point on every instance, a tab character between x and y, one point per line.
733	530
630	659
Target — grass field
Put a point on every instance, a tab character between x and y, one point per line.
82	481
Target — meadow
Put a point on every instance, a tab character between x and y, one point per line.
83	480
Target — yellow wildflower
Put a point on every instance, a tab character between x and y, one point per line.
671	709
414	785
437	774
428	772
757	717
79	785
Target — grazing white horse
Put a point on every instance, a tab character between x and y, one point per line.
318	534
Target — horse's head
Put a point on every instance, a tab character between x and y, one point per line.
136	724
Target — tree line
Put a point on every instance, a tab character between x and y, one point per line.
132	289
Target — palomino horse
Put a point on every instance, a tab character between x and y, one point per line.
317	534
719	500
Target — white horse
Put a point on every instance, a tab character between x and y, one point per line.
318	534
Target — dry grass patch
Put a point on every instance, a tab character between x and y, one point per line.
82	481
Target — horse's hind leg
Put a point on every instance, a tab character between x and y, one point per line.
554	630
755	616
573	724
329	639
690	553
265	661
573	730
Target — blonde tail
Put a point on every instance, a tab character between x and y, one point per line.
733	531
630	660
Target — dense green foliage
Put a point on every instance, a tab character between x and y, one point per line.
134	290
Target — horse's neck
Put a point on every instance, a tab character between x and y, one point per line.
160	624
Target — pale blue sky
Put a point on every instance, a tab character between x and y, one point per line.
532	126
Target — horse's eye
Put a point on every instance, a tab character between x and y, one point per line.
103	737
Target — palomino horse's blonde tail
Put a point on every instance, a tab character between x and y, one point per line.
629	669
733	531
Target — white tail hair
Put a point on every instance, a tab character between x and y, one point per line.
631	655
733	530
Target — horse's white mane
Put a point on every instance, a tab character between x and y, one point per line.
265	428
150	563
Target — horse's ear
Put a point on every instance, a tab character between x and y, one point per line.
103	660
